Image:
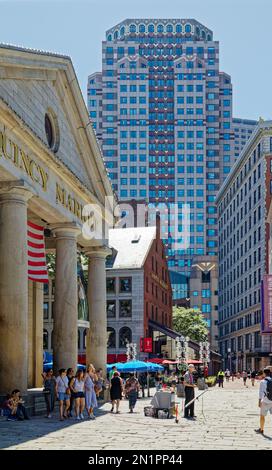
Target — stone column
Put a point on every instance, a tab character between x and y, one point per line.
66	297
96	341
13	288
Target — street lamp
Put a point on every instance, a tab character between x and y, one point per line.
131	351
229	352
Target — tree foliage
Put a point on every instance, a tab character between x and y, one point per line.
190	322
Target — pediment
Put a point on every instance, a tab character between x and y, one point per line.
32	85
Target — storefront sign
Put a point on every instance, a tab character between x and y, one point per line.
266	298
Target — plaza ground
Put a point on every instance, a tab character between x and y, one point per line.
227	421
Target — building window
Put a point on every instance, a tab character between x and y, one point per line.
45	339
111	337
125	308
84	338
206	277
51	130
46	311
111	308
125	284
111	285
257	339
125	336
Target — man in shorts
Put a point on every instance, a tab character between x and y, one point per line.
265	399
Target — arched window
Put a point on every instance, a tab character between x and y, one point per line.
125	336
115	35
142	28
197	31
188	28
203	35
209	38
45	339
132	28
122	31
160	28
169	28
151	28
111	337
178	28
109	37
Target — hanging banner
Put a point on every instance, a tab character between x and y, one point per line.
266	301
148	345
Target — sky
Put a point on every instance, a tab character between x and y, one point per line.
77	28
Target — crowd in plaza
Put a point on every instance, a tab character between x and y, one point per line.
78	393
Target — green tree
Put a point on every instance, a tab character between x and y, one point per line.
190	322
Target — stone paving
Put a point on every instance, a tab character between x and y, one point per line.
227	422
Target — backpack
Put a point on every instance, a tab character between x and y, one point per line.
268	388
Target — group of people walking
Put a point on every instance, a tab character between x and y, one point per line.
74	391
120	388
246	375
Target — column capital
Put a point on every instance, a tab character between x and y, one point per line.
15	191
98	251
67	230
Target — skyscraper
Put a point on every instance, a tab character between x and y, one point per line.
165	126
243	129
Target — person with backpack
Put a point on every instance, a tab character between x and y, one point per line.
265	399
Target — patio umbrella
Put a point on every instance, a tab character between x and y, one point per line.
49	365
135	366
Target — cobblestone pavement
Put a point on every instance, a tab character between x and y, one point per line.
227	422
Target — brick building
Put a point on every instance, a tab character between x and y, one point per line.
138	288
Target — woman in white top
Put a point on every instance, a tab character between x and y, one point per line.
77	385
63	393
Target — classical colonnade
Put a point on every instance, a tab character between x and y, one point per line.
14	293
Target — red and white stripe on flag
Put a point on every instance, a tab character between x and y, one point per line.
37	268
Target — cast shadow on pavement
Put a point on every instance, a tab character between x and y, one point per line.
14	433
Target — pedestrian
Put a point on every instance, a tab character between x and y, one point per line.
49	384
253	377
265	399
132	387
99	382
10	408
113	369
227	374
116	390
63	393
158	381
90	395
220	378
142	382
70	376
78	386
189	393
244	375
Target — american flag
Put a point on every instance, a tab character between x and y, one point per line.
37	269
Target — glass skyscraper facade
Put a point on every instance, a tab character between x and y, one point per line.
162	111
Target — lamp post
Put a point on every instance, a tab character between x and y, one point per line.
229	352
181	350
204	352
131	351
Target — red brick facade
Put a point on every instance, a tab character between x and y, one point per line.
157	288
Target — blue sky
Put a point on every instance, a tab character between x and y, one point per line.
77	27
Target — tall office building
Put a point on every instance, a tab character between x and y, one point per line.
165	126
245	261
243	129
